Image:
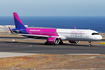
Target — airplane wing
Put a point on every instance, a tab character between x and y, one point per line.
36	36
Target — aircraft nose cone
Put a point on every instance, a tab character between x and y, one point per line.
100	37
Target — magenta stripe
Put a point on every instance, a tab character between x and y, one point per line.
42	31
17	17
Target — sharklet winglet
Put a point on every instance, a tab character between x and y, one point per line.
74	27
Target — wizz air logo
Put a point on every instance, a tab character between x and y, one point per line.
34	30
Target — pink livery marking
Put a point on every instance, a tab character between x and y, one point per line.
74	27
51	40
73	41
42	31
17	17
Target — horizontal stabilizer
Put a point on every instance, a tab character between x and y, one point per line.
10	30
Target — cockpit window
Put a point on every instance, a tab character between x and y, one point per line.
95	33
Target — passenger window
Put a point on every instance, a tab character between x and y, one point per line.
95	33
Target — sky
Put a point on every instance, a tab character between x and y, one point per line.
53	7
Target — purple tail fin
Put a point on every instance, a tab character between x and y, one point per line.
18	22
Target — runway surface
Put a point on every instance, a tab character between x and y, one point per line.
26	47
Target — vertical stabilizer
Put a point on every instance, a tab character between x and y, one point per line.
18	22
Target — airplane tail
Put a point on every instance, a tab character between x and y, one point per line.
18	22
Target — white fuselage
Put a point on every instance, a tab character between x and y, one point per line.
78	34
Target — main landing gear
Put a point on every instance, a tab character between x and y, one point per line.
61	42
90	43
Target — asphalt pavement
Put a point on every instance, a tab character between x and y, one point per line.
41	48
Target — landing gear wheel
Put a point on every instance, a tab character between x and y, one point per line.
60	42
90	43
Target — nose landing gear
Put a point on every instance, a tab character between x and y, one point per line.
90	43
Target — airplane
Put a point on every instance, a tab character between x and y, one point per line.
54	35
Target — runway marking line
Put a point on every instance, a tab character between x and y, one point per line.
102	42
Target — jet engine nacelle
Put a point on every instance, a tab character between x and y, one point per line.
53	40
73	41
